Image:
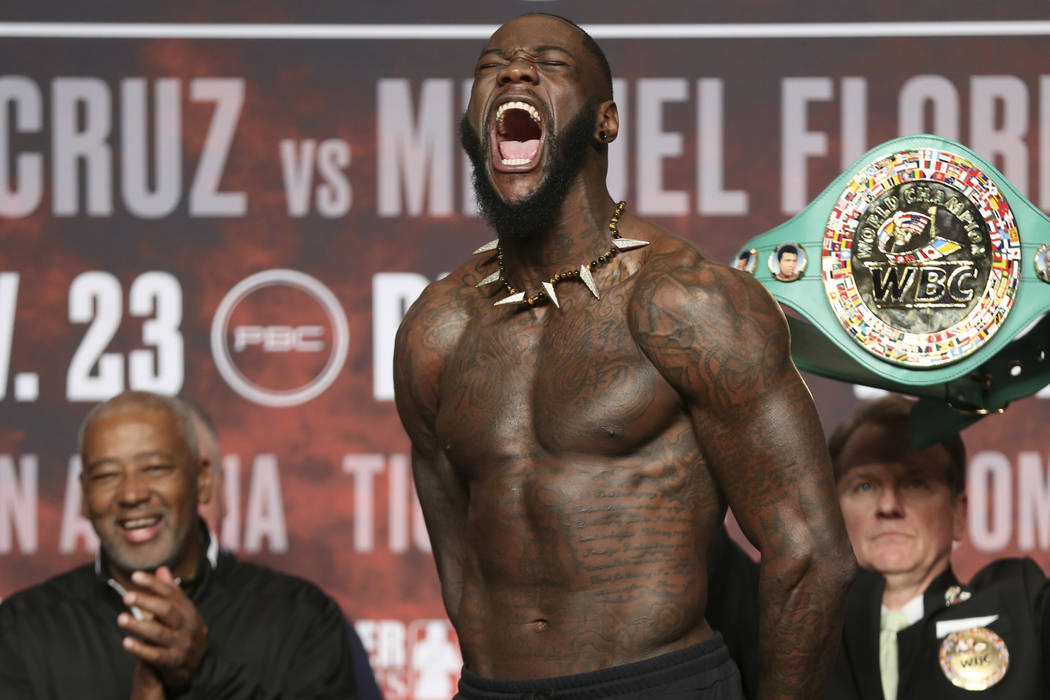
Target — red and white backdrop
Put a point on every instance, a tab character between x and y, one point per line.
241	214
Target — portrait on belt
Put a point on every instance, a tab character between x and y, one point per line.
1042	266
787	262
746	261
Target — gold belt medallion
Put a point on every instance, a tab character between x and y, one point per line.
921	258
974	659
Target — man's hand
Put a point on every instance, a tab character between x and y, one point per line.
174	641
145	684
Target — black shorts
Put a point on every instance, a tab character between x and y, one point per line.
703	671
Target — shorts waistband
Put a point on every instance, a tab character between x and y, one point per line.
710	655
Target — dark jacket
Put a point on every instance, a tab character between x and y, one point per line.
269	636
732	606
1014	589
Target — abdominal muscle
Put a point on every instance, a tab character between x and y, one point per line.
573	569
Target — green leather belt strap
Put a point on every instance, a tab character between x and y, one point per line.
920	270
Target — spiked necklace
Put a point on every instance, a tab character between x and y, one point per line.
583	273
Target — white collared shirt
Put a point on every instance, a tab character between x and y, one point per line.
912	610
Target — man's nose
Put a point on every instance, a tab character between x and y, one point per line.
133	490
889	503
518	70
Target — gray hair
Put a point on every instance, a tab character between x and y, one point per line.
149	401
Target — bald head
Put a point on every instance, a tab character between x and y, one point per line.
592	49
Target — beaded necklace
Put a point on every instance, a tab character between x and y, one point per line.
583	273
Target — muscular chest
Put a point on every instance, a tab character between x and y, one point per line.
576	383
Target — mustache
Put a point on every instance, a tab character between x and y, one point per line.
539	212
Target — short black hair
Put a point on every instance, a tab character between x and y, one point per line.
894	409
785	249
590	45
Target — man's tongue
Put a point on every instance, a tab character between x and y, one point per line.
519	150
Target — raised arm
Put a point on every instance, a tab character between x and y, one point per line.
720	339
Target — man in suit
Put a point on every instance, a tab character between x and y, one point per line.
912	630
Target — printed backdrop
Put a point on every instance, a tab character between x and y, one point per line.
243	217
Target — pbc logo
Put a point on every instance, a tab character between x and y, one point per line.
279	338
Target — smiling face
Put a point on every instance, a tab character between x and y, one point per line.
900	513
534	113
141	489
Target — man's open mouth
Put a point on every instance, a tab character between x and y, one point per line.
140	529
518	136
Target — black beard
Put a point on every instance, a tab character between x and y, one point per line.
539	211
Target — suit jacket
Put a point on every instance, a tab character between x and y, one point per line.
1014	589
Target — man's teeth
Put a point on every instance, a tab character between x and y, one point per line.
515	161
141	522
524	106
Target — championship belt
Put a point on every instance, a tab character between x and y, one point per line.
928	272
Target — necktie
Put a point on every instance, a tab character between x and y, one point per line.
892	622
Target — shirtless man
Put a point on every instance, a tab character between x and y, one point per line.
574	451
